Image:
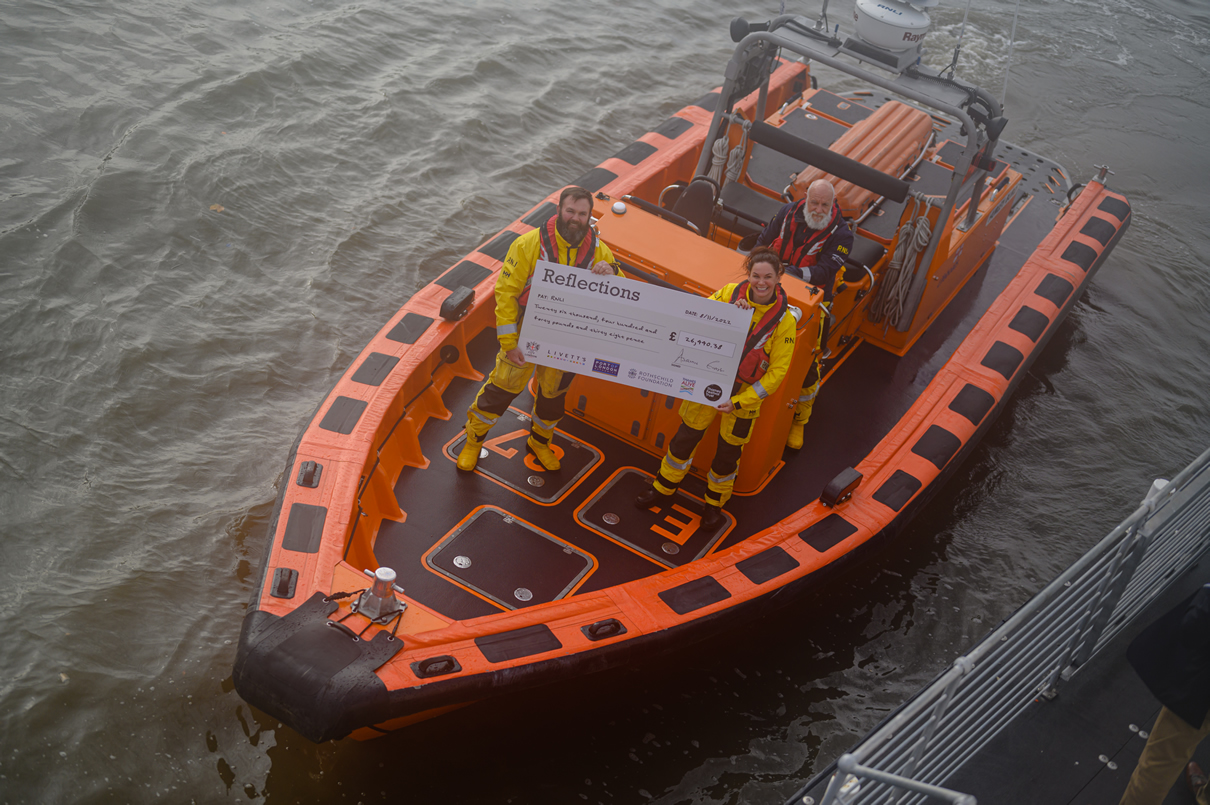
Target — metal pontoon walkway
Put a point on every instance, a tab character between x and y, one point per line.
1045	709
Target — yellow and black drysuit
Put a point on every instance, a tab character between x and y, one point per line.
512	290
768	355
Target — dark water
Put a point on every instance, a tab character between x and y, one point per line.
160	354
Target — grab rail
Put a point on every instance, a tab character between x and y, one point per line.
1035	650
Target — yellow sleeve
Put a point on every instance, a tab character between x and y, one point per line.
780	349
723	294
514	274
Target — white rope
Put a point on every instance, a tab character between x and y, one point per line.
719	153
914	238
735	161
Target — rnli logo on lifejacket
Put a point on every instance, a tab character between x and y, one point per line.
713	392
687	385
603	367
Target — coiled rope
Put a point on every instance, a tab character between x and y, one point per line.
892	294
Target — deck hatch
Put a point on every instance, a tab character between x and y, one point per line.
518	643
694	595
1099	229
673	127
767	565
304	528
636	152
885	222
509	561
509	462
1080	254
595	179
842	109
497	249
343	415
937	445
374	369
467	274
828	533
973	403
1003	358
772	169
932	179
1029	322
898	490
1116	207
541	215
409	328
1054	289
669	532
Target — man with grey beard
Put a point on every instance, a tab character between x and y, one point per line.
812	240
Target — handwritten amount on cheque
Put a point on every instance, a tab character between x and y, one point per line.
586	324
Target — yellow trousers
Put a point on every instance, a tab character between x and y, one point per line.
810	383
506	381
733	434
1168	750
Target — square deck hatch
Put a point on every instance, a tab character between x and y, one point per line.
509	561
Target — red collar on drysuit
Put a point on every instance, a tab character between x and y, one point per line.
754	364
550	250
795	220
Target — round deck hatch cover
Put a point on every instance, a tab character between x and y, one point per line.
670	548
462	561
611	518
523	594
535	480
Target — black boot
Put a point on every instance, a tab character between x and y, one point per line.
712	516
647	498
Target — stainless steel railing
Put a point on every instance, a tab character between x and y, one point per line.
1033	652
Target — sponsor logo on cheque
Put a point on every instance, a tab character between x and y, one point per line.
713	392
604	367
654	379
687	385
569	357
532	347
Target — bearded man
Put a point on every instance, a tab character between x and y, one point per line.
813	240
565	238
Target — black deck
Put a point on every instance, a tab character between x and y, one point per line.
857	407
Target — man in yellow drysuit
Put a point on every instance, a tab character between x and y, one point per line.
565	238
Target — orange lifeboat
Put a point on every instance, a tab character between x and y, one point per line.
395	588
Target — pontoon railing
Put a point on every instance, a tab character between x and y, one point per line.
1031	654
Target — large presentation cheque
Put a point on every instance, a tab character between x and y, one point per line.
633	333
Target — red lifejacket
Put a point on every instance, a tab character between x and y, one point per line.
755	363
806	254
549	251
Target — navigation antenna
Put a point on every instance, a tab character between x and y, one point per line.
957	48
1012	40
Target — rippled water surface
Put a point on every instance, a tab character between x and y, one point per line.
207	209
